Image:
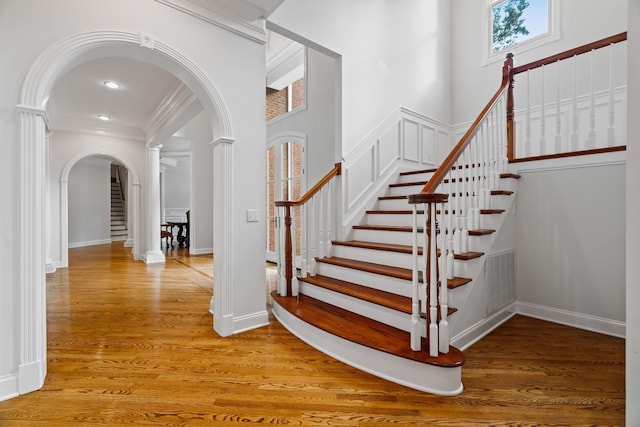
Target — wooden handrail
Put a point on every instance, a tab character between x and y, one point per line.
447	164
617	38
337	170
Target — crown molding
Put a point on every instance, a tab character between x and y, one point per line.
239	17
67	124
173	105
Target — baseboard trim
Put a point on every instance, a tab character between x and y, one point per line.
30	377
200	251
8	387
89	243
577	320
250	321
475	333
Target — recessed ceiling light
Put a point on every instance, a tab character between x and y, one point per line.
104	117
112	85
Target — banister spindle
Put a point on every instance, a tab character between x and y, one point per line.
558	139
611	131
543	129
433	281
591	142
574	118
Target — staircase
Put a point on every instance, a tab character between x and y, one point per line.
118	221
357	307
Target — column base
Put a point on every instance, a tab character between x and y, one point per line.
154	257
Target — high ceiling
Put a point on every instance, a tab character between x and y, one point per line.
80	96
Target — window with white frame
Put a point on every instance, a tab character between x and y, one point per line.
515	25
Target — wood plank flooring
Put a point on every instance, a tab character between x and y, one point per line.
133	344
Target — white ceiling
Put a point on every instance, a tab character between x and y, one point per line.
80	95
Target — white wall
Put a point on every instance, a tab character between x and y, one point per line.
177	183
317	120
632	223
392	53
602	19
570	233
90	202
198	131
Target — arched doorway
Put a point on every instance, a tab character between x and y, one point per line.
40	79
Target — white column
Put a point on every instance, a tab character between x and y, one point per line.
163	175
32	364
49	267
222	302
154	253
129	242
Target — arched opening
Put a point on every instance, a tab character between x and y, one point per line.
41	78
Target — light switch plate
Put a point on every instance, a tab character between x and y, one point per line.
252	215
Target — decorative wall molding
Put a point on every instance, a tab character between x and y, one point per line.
405	140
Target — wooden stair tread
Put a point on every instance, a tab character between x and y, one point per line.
409	212
390	247
392	198
385	270
510	175
376	296
501	192
407	184
407	229
361	330
365	293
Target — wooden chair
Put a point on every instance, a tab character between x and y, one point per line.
166	233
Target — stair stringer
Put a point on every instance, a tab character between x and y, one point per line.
419	376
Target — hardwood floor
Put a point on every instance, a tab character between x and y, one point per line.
133	344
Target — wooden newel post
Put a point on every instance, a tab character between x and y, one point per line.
507	75
288	249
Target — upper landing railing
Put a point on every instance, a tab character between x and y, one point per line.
571	103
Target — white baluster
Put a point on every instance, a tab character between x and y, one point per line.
304	262
574	119
591	142
433	285
527	149
329	216
282	281
443	327
558	139
416	337
543	129
313	236
611	132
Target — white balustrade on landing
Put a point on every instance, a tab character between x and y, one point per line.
582	97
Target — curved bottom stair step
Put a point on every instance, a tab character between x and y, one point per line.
363	331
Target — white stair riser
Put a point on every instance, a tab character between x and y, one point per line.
373	311
393	219
394	204
416	177
394	259
392	237
376	281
